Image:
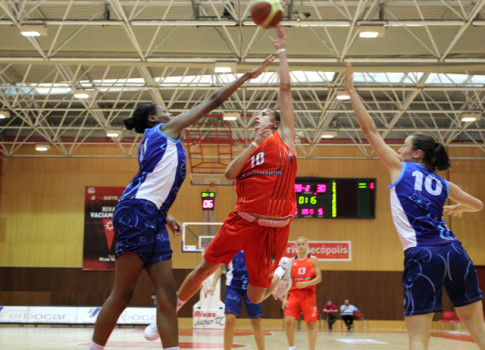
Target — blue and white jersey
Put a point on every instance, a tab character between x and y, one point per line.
237	275
162	170
417	199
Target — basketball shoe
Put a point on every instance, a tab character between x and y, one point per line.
283	271
151	332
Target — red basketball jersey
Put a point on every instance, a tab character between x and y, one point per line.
266	184
302	271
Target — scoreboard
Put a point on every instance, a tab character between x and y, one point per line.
208	200
334	198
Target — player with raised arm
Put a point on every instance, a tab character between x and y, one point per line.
141	215
265	175
433	256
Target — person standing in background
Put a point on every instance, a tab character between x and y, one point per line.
302	297
236	292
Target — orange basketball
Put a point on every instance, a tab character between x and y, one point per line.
267	13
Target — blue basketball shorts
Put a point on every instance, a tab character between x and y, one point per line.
427	269
233	301
140	228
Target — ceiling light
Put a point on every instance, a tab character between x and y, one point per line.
42	147
371	30
113	133
470	117
4	114
33	30
225	67
230	115
342	95
328	134
83	94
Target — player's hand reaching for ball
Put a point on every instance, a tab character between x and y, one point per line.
256	72
280	42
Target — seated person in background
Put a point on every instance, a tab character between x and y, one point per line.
347	311
330	313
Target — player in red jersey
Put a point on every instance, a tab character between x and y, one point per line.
265	178
302	296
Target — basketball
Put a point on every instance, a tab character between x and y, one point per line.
267	13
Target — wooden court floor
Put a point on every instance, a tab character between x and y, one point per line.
75	338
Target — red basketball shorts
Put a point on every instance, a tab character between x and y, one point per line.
263	247
302	301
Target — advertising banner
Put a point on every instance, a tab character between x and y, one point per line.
100	203
323	250
72	315
208	312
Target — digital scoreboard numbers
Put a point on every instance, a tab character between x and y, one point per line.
313	198
208	200
335	198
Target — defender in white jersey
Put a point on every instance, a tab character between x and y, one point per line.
141	216
434	258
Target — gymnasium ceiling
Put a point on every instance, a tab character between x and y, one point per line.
421	76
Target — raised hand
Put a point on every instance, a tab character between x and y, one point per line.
280	42
258	70
349	79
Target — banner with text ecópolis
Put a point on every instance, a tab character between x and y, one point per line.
100	203
323	250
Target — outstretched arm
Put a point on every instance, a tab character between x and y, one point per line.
287	124
175	126
465	202
383	151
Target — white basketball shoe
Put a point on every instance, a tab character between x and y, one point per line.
151	332
283	271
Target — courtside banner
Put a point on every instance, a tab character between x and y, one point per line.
72	315
99	245
323	250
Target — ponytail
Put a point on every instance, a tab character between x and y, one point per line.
139	119
435	154
440	157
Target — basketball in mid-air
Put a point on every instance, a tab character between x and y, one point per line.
267	13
